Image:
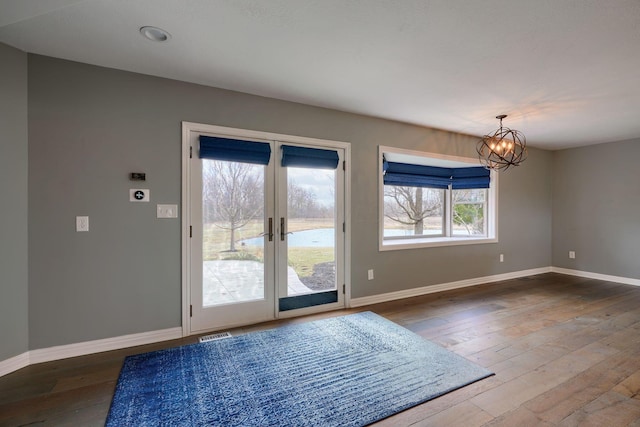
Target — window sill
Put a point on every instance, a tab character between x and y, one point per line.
400	244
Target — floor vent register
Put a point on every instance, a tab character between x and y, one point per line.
213	337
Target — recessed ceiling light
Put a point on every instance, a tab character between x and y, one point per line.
154	33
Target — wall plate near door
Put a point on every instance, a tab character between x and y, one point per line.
167	211
139	195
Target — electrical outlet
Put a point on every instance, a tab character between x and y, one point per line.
82	223
572	254
501	257
370	274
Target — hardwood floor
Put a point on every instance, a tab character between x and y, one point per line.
565	350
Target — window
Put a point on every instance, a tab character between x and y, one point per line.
434	200
468	208
413	211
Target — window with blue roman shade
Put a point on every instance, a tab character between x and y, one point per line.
235	150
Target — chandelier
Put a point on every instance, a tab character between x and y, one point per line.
503	148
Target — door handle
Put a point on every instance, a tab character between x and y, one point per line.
283	231
270	233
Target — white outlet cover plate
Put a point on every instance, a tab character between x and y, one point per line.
139	195
167	211
82	223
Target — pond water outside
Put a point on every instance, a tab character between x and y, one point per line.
317	238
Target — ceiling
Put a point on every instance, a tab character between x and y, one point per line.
566	72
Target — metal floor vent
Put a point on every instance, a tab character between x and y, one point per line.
213	337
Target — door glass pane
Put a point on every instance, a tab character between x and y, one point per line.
311	242
233	224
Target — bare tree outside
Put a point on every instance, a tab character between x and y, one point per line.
233	195
303	203
412	205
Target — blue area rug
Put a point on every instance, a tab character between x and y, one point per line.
345	371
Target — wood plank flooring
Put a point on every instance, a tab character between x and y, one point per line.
565	350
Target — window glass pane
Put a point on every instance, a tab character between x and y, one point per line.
469	210
413	211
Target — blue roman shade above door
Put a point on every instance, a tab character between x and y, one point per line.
317	158
409	175
235	150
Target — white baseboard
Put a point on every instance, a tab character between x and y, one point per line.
14	363
96	346
88	347
391	296
598	276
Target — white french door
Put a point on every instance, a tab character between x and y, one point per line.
266	227
310	248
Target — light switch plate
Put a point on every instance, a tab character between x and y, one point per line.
139	195
167	211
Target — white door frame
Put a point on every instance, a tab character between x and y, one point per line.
187	129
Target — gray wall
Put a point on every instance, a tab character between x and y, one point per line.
14	309
596	205
90	126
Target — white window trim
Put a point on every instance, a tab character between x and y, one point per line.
430	242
